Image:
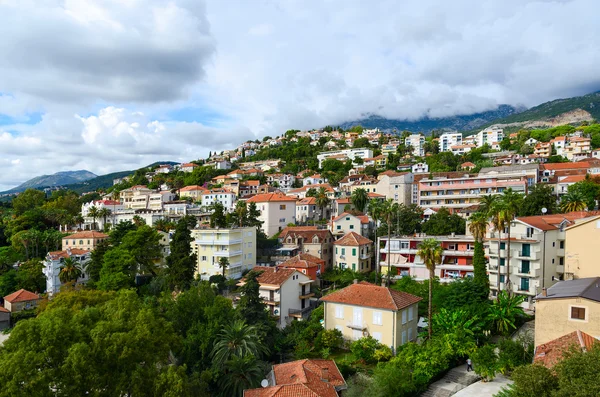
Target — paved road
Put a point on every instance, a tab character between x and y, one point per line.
484	389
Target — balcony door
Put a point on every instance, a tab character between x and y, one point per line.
357	316
526	250
524	284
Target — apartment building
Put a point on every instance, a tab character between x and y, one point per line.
283	182
559	143
459	193
307	210
528	171
225	197
53	263
362	153
364	309
135	197
420	168
193	192
276	211
353	251
457	257
543	149
537	254
305	263
417	143
489	136
581	257
577	148
461	149
348	222
309	239
238	245
86	240
447	140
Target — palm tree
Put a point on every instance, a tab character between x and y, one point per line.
496	213
241	373
322	200
237	339
486	202
477	226
387	210
430	251
512	203
138	220
223	264
241	212
69	271
103	213
94	213
505	310
572	201
359	199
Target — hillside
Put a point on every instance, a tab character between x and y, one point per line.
426	124
58	179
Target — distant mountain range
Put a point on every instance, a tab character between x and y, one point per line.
58	179
557	112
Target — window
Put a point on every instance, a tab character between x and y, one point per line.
377	336
343	251
403	337
403	316
502	276
282	207
339	227
204	258
336	250
80	242
562	245
377	320
353	251
502	261
525	266
339	312
410	334
410	314
524	284
351	227
577	313
502	246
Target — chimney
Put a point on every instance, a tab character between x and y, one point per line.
544	291
355	281
325	374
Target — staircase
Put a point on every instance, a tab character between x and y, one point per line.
456	379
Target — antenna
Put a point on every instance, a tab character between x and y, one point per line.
264	383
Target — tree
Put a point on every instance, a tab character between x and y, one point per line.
69	271
28	200
321	200
104	213
505	311
443	223
485	362
511	204
533	381
138	220
251	308
237	339
30	276
118	270
311	192
430	251
573	201
241	213
252	217
97	259
241	373
94	213
539	196
478	226
588	190
497	214
409	219
217	218
143	244
359	199
181	263
387	210
224	264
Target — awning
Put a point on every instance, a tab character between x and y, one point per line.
288	249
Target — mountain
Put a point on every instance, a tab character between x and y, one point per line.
427	124
58	179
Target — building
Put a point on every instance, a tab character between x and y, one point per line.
577	148
309	377
135	197
447	140
4	318
568	306
188	167
467	166
543	149
362	153
350	222
417	143
353	251
420	168
315	179
21	300
395	185
305	263
283	182
193	192
276	211
309	239
551	353
461	149
489	136
364	309
225	197
537	254
238	245
286	292
54	262
300	192
580	253
86	240
528	171
457	257
307	210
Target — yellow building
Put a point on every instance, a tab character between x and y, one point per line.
238	245
568	306
86	240
580	252
194	192
353	251
365	309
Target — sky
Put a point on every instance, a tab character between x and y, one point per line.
111	85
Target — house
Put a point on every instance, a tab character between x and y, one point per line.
305	263
420	168
577	146
21	300
301	191
225	197
579	249
86	240
447	140
353	251
285	292
315	179
543	149
306	209
238	245
164	169
364	309
188	167
348	222
276	211
309	239
568	306
395	185
341	205
283	182
461	149
417	144
551	353
4	318
351	154
54	261
309	377
467	166
194	192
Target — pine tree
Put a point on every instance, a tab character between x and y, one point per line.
479	266
181	263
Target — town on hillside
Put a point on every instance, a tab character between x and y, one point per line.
322	263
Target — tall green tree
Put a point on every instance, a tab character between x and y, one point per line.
30	276
104	213
388	209
224	264
573	201
539	196
512	202
241	213
251	308
118	270
28	200
443	223
94	212
322	200
69	271
217	218
478	226
97	259
430	251
237	339
181	263
589	191
359	199
497	215
409	219
143	244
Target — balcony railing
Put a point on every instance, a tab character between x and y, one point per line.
358	327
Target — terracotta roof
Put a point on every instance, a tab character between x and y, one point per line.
303	260
552	222
189	165
564	166
21	295
4	310
270	197
327	187
344	201
65	254
375	195
107	202
551	353
364	219
192	188
353	239
87	234
371	295
273	275
251	183
307	201
306	233
468	164
572	179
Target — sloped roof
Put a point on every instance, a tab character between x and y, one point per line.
305	232
317	186
552	222
364	219
551	353
273	275
270	197
4	310
307	201
353	239
303	260
572	179
564	166
371	295
588	288
87	234
192	188
65	254
21	295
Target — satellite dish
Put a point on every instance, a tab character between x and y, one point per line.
544	210
264	383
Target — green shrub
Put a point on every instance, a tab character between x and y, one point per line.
364	349
329	339
534	381
513	353
485	362
383	353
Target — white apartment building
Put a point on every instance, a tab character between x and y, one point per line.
276	211
238	245
306	209
416	142
420	168
54	262
362	153
283	182
489	136
448	140
226	198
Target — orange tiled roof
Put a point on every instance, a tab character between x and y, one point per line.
87	234
307	233
192	188
572	179
270	197
551	353
65	254
21	295
3	310
273	275
564	166
307	201
327	187
353	239
467	164
303	260
371	295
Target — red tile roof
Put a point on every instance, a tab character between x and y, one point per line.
107	202
371	295
572	179
87	234
564	166
192	188
307	233
375	195
551	353
65	254
273	275
303	260
21	295
270	197
353	239
552	222
307	201
467	164
317	186
3	310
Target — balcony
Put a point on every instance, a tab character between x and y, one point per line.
207	240
227	253
366	256
457	253
303	313
560	252
358	327
306	294
560	269
272	301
